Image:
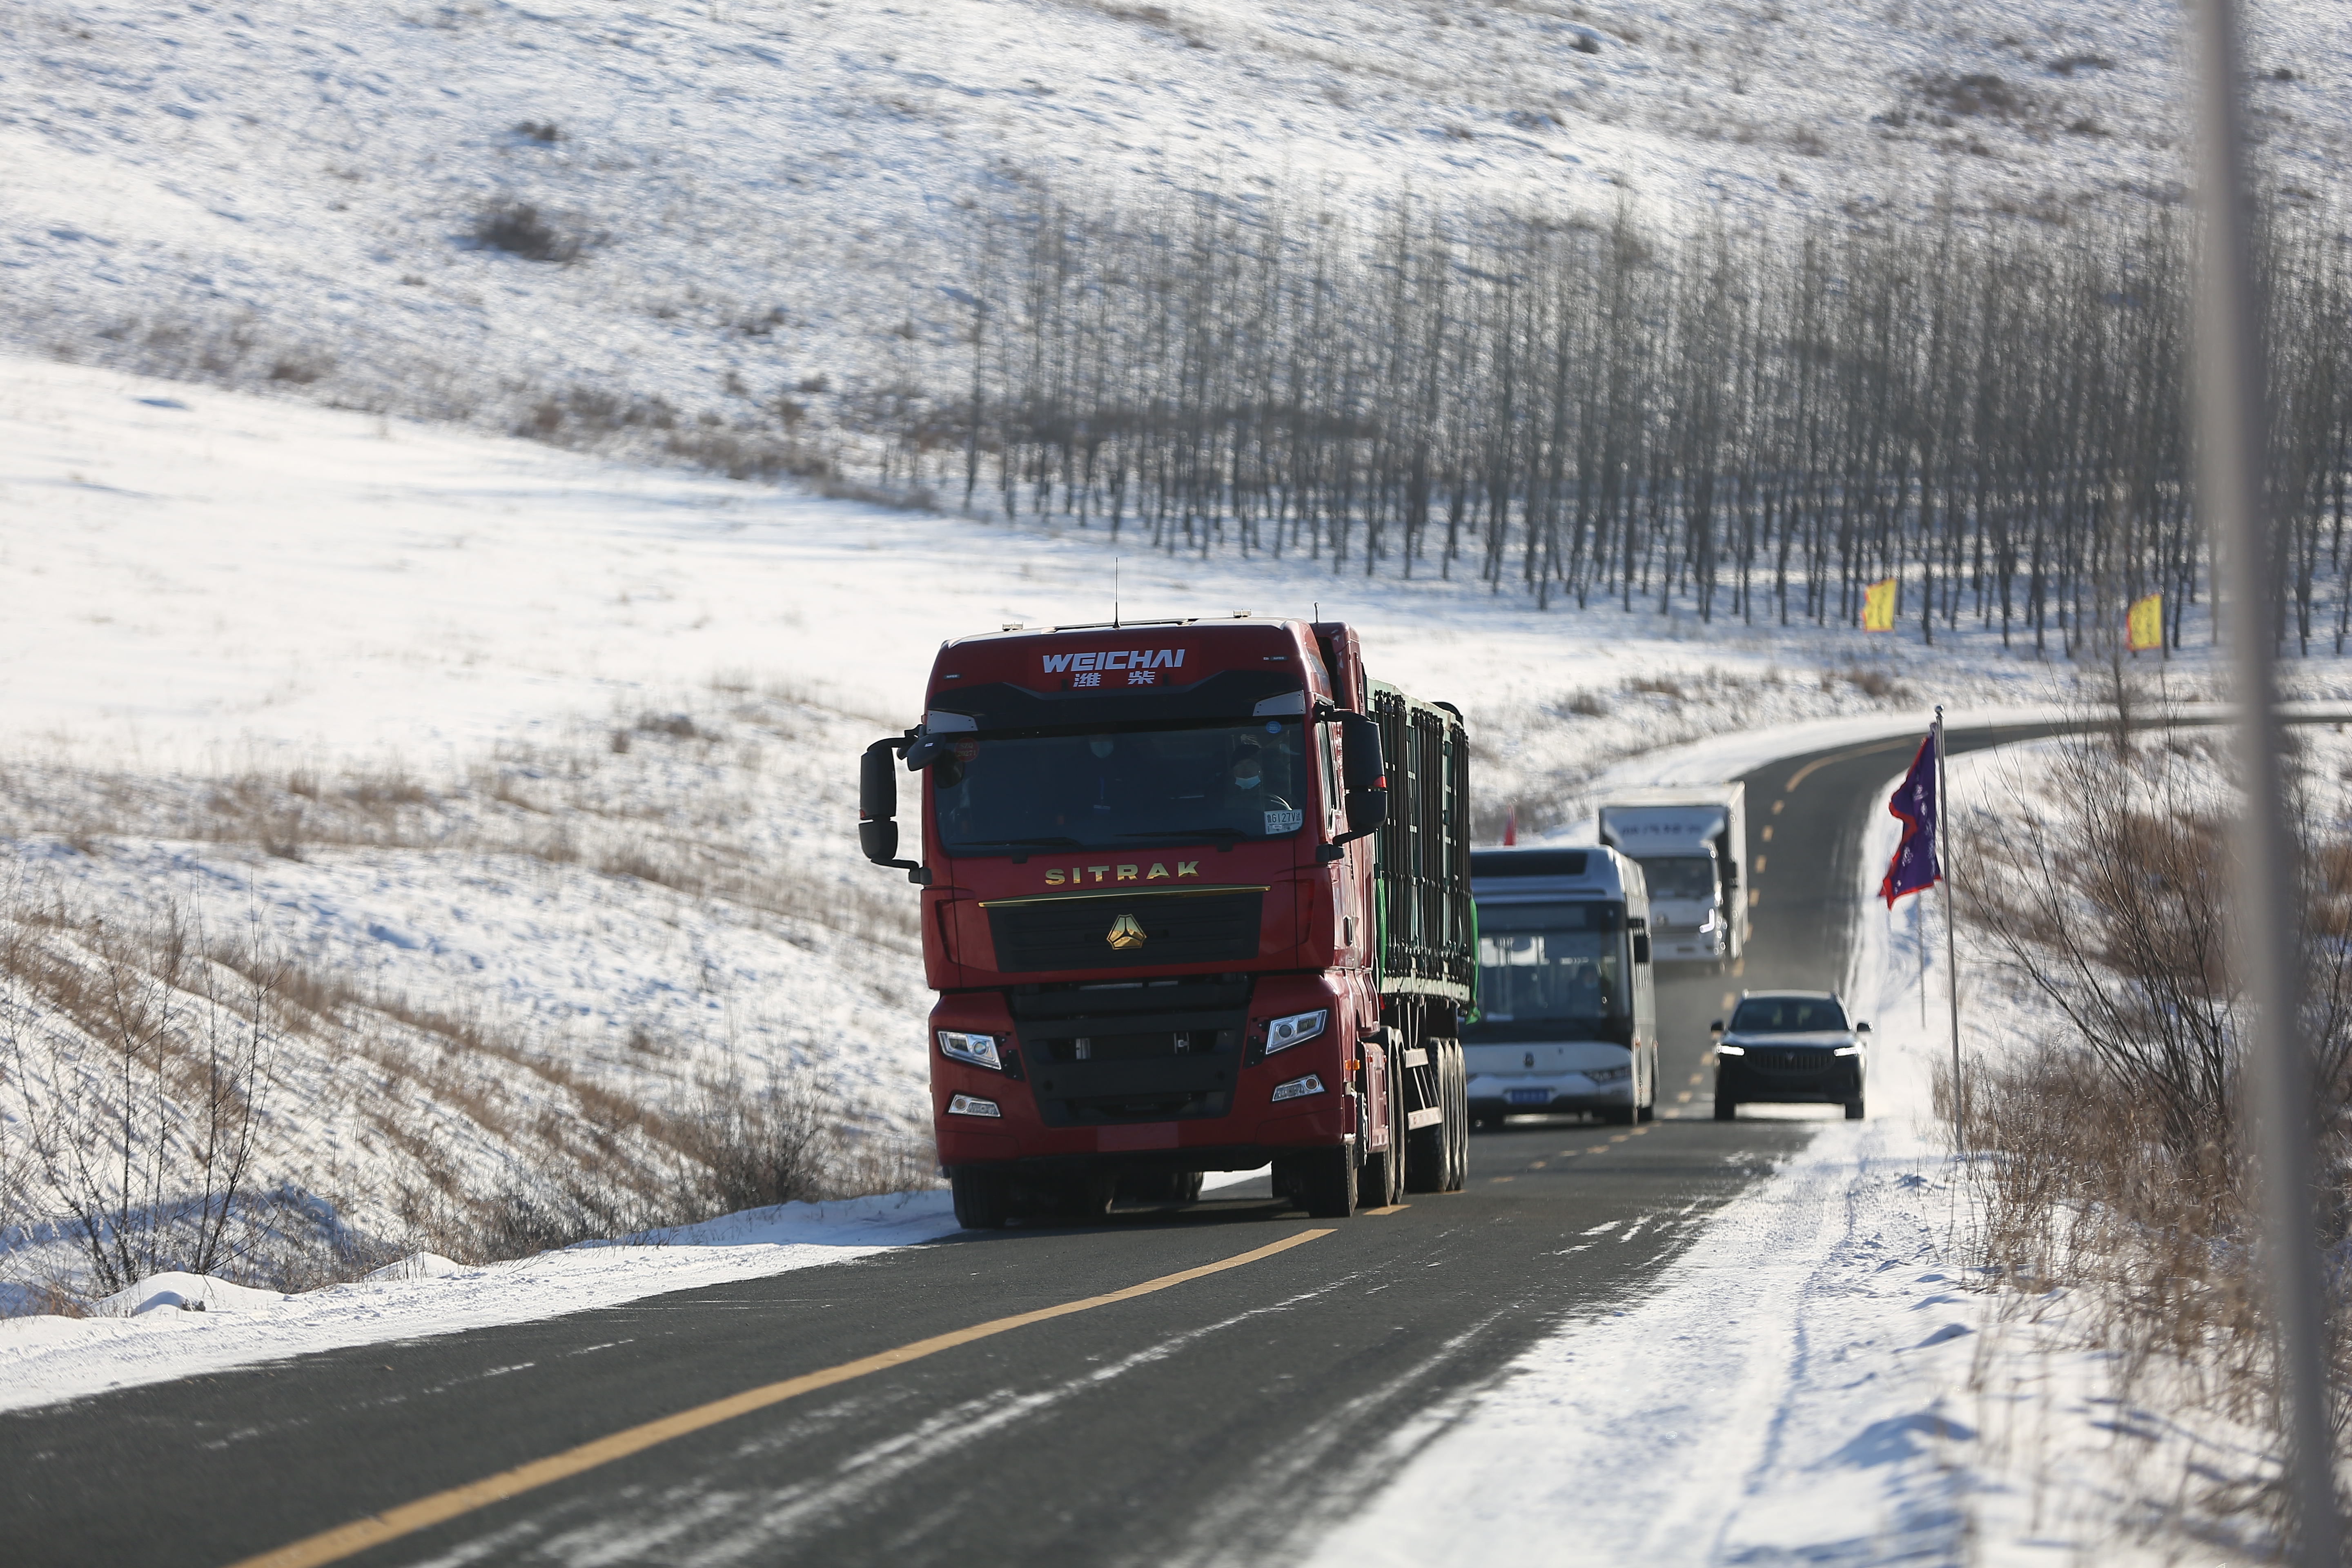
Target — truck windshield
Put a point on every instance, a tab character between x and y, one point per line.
1680	877
1555	967
1011	794
1788	1015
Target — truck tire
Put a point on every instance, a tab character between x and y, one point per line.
1457	1117
1854	1110
1326	1181
1725	1110
983	1198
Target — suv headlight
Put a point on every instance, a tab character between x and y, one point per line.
1607	1075
1847	1051
1285	1032
979	1050
1725	1048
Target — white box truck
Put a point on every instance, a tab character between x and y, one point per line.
1693	846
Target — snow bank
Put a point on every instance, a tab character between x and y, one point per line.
139	1339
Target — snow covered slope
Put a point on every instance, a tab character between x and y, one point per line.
764	201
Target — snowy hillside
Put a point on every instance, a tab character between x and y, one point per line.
743	216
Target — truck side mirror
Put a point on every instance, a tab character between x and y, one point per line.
1367	773
1715	1028
1641	947
878	808
1861	1028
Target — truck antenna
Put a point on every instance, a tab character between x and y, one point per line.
1114	593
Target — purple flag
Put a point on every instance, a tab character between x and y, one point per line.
1913	867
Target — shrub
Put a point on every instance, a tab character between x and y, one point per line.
519	229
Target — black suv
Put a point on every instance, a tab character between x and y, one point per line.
1790	1048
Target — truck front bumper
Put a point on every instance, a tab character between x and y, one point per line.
1044	1111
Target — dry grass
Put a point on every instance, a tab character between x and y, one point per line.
474	1134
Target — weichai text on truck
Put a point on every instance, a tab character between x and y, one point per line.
1195	898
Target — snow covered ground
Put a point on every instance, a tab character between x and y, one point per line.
769	199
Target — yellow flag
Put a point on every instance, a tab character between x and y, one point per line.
2143	623
1878	607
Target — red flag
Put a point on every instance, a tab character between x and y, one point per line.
1511	827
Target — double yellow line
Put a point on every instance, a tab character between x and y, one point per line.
344	1541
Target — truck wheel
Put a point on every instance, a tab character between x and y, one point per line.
1326	1181
1853	1110
1725	1110
983	1198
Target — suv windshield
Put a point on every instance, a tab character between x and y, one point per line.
1125	788
1681	877
1557	966
1788	1015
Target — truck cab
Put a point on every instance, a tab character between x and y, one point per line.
1567	1014
1692	844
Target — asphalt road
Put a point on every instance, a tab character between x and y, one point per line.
1221	1416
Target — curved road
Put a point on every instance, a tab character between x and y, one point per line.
1272	1373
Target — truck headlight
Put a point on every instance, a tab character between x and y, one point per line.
1709	923
971	1105
979	1050
1285	1032
1297	1088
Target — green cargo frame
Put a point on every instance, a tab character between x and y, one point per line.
1427	926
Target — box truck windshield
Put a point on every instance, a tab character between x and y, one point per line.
1556	965
1680	877
1123	787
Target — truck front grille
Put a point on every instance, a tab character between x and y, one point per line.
1134	931
1162	1051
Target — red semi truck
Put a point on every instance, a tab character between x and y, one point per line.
1195	898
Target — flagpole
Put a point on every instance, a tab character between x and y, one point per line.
1951	926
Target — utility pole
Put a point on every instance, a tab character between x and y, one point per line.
1952	927
2232	444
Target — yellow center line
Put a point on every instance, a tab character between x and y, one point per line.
1390	1208
1683	1097
1505	1178
1620	1138
1806	772
1535	1164
344	1540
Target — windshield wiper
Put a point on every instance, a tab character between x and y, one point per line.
1231	834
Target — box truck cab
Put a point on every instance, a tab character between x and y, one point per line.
1692	844
1567	1013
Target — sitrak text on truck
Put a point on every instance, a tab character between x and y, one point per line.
1195	898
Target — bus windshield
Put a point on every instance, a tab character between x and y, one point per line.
1552	969
1123	788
